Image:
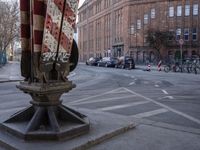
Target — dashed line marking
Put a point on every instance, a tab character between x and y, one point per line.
132	83
165	92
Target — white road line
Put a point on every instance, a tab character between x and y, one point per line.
156	85
169	97
119	92
150	113
71	74
103	100
166	107
123	106
165	92
131	83
86	98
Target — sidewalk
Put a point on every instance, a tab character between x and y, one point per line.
10	72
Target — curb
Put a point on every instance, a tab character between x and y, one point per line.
105	137
5	81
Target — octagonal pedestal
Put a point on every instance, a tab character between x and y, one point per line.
47	118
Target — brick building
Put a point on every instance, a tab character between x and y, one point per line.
119	28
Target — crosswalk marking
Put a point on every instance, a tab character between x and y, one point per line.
122	106
150	113
103	100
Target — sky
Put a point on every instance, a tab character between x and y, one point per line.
81	2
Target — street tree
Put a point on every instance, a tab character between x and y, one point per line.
158	40
9	23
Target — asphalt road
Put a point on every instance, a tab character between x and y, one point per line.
170	98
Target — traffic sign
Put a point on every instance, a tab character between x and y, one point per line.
181	41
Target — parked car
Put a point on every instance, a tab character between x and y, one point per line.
126	62
108	62
92	61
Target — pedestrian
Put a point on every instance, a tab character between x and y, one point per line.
148	67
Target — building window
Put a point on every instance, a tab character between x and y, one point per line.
195	9
179	11
186	34
138	24
194	34
146	17
178	34
132	30
153	13
187	10
171	11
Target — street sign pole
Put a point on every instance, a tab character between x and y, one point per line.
181	50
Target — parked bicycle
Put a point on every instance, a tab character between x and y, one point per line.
169	67
195	66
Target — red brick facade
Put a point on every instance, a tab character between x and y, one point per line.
119	27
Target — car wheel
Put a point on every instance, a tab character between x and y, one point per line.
98	65
106	65
116	66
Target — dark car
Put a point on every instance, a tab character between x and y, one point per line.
92	61
126	62
108	62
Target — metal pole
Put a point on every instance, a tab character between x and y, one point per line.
181	49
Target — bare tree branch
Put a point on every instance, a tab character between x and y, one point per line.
9	23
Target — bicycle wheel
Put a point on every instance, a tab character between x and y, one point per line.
193	69
197	70
166	68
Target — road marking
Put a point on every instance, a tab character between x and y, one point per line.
169	97
103	100
132	76
150	113
71	74
131	83
165	92
123	106
156	85
86	98
119	92
166	107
